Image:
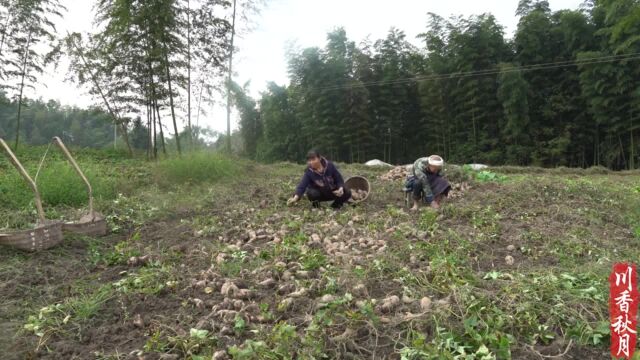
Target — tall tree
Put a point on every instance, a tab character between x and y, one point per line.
31	37
230	74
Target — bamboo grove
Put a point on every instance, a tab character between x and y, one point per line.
161	62
565	91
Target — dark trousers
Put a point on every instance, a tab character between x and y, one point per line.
316	196
418	185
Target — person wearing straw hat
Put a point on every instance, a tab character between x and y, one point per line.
429	183
321	182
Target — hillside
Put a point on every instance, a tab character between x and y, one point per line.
515	267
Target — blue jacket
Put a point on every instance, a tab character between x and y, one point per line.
330	178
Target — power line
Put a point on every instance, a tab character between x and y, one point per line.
459	75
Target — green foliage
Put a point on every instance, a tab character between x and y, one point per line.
195	168
474	96
147	280
488	176
428	221
74	310
58	184
121	252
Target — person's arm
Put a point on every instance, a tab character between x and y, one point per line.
337	176
302	185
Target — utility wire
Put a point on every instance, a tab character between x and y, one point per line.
459	75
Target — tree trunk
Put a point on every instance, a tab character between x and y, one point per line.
632	160
148	131
173	113
189	73
4	32
24	74
164	147
155	131
199	103
597	148
624	158
233	33
125	136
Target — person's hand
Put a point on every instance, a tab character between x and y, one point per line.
293	200
339	192
435	205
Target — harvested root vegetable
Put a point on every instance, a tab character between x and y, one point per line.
220	355
198	303
358	195
389	304
139	260
286	276
253	309
168	357
137	321
346	335
226	331
300	293
509	260
201	284
397	173
327	298
268	283
285	289
285	304
243	294
302	274
360	290
226	315
221	258
229	289
409	317
425	304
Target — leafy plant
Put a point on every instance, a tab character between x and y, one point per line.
488	176
148	280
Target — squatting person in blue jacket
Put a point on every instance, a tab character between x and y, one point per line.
321	182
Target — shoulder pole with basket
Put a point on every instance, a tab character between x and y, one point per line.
46	233
93	223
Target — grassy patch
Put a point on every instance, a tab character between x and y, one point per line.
58	184
195	168
68	314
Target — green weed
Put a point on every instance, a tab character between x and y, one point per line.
488	176
148	280
75	310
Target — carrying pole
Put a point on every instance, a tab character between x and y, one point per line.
66	152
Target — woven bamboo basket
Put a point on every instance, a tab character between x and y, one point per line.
93	223
40	238
89	225
355	183
46	233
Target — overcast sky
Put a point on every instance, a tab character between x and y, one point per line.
303	23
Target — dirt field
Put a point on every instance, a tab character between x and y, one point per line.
513	267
